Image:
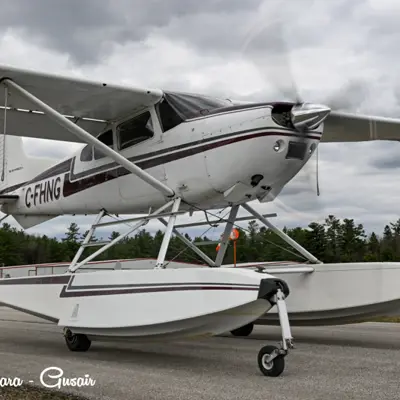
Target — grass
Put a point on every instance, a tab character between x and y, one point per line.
29	392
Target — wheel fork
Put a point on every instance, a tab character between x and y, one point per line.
278	354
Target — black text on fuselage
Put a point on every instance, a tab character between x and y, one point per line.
43	192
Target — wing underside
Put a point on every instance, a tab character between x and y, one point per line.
35	125
91	105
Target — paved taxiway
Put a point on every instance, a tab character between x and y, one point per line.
346	362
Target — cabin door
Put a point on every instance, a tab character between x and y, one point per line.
138	139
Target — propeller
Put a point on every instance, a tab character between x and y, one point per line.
281	71
277	67
266	46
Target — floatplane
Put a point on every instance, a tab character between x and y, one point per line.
160	154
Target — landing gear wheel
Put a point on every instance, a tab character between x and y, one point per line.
77	342
273	368
243	330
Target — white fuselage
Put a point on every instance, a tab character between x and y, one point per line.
209	161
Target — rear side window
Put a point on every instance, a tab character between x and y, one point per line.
87	153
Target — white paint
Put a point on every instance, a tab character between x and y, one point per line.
331	294
158	314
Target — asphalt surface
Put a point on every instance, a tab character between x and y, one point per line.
343	362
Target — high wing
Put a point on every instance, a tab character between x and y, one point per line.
91	105
347	127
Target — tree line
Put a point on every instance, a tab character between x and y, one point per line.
334	240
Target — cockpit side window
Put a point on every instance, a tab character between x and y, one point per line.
135	130
169	118
87	153
107	139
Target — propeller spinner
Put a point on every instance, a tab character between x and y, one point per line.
308	115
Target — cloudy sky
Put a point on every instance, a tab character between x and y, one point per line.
338	51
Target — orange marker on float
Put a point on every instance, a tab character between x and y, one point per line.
233	236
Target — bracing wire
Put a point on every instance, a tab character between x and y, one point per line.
248	231
213	225
202	234
317	173
4	133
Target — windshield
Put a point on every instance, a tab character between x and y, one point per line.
193	105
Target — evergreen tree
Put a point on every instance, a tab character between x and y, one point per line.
72	240
351	241
373	250
335	240
316	240
332	239
387	248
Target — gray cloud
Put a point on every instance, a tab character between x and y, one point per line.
87	30
388	159
80	28
255	30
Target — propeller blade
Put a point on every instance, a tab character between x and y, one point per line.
276	67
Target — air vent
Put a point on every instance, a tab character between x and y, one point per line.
296	150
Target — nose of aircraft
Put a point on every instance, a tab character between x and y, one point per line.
308	115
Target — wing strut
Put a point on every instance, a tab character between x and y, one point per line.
88	138
189	244
282	234
225	236
106	245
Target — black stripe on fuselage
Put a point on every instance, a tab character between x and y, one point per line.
37	280
72	187
72	290
74	183
68	279
184	146
154	285
160	288
68	290
58	169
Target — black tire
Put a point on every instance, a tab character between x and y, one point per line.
243	330
77	342
277	365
